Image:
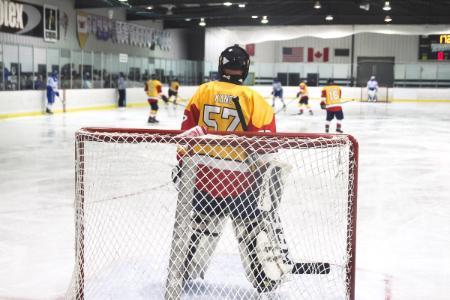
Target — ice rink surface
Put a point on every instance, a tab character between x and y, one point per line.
403	234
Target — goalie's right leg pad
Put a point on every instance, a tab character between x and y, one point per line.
208	220
206	234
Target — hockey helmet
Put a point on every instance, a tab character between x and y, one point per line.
234	58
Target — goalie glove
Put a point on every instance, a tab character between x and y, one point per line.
193	132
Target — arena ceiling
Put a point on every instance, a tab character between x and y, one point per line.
188	13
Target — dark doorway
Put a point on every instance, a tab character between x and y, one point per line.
312	79
289	79
283	78
380	67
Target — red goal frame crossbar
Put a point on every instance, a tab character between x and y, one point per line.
109	134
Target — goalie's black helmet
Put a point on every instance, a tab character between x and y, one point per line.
234	58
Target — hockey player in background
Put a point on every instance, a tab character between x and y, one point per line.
372	89
173	90
331	102
277	92
153	88
227	184
304	98
52	91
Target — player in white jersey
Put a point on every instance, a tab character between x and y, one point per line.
52	91
277	92
372	89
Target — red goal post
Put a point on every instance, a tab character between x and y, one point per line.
126	202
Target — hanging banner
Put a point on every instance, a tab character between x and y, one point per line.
82	28
105	29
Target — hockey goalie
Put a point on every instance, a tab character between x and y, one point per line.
226	178
372	89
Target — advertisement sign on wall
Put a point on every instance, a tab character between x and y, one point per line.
28	19
51	17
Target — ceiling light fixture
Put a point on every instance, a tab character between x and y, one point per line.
242	5
387	6
388	19
254	17
264	20
149	7
202	22
365	5
227	3
317	5
123	0
329	18
187	19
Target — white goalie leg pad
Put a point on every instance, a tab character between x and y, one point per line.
262	243
205	236
269	253
182	231
271	183
261	253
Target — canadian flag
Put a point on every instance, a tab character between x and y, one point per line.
315	55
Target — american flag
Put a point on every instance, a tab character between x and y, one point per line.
294	54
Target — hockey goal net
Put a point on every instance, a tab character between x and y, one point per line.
218	216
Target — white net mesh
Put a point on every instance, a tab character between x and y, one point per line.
160	216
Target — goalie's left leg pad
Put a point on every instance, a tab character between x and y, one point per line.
260	253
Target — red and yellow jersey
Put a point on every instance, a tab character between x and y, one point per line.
332	95
153	88
174	86
222	170
212	106
303	89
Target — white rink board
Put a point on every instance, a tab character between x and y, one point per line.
19	103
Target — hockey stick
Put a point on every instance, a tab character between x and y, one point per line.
283	108
63	100
179	104
342	102
239	111
346	101
311	268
